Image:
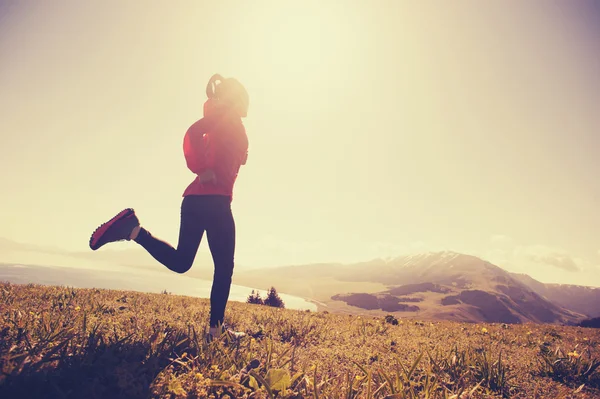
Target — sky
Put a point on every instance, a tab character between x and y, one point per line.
376	128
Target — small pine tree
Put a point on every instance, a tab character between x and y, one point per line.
255	298
273	299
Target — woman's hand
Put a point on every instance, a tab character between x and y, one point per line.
207	176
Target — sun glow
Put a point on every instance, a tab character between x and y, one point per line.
299	49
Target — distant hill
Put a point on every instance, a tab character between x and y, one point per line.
440	286
131	256
577	298
590	323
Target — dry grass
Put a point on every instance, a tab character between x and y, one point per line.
58	342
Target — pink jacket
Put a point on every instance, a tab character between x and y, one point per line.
219	142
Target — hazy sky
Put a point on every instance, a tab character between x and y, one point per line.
376	128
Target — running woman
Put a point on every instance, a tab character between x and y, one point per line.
214	147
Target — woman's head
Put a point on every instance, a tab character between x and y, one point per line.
229	93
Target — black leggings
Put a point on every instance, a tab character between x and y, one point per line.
199	213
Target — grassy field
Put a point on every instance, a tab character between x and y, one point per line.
58	342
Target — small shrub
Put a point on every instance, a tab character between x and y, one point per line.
255	298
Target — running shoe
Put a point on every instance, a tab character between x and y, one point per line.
116	229
224	331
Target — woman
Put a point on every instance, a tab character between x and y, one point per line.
214	148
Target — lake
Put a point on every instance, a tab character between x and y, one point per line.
133	279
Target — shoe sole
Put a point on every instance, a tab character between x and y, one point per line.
97	235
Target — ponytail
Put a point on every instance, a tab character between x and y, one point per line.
228	90
212	85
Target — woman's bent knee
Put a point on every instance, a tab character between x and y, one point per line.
182	266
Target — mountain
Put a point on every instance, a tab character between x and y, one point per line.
442	285
9	245
578	298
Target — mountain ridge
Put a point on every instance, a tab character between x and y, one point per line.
468	289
